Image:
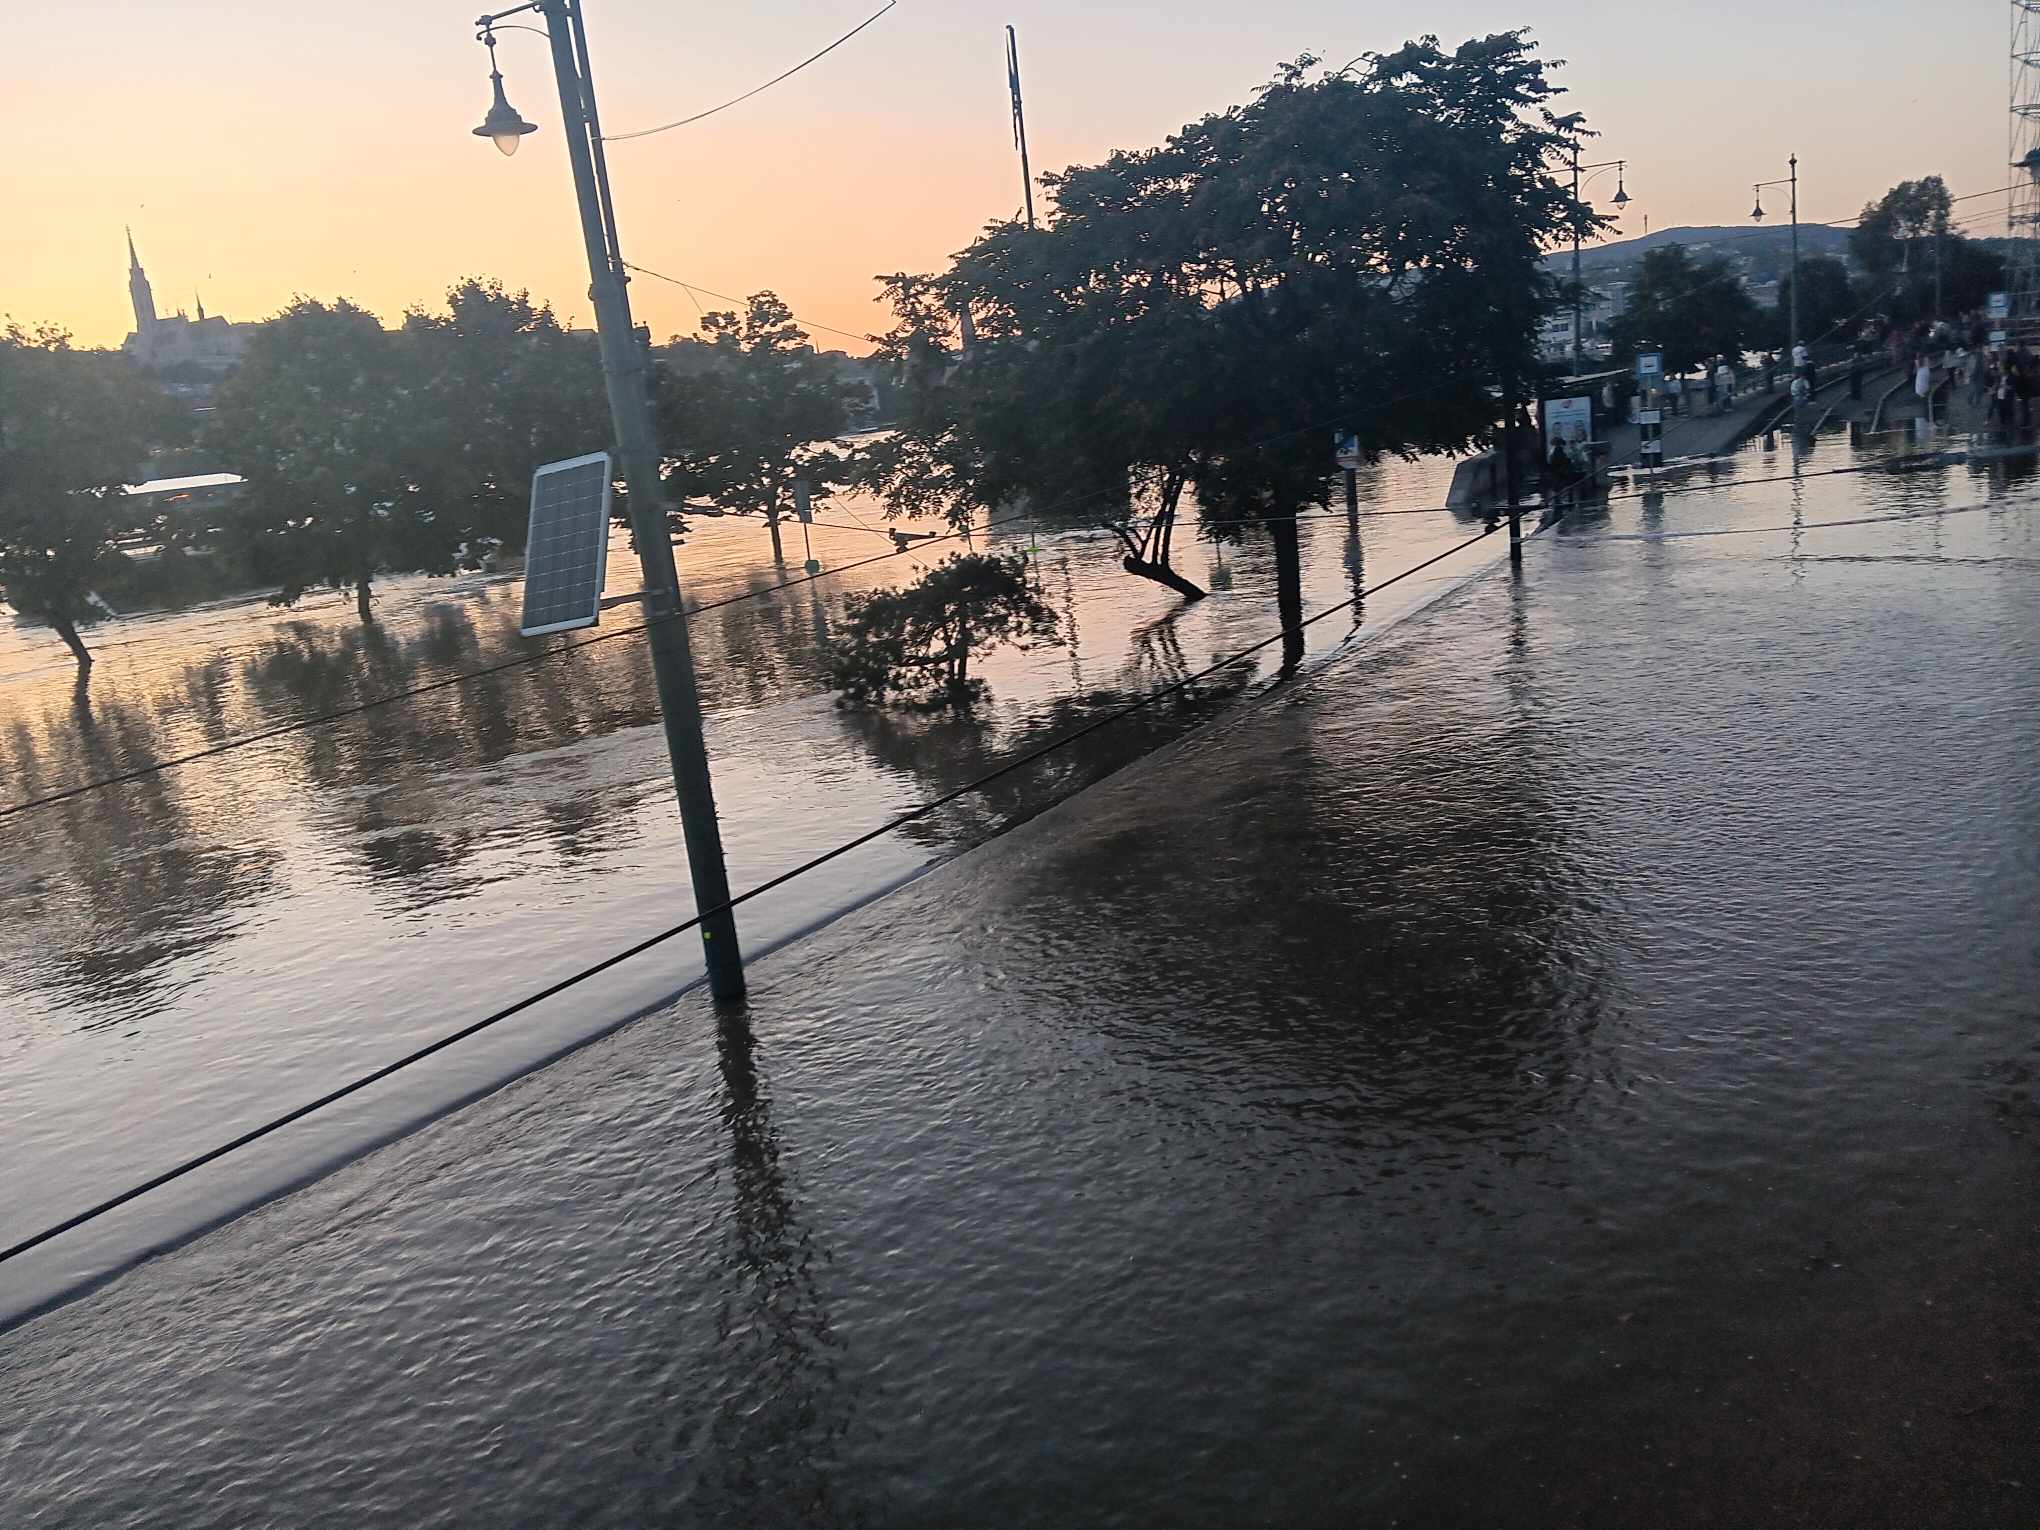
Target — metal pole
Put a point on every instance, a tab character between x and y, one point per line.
1795	277
1019	120
623	375
1576	259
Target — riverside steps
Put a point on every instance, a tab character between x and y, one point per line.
1567	1061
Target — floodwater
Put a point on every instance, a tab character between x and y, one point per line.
1572	1062
187	955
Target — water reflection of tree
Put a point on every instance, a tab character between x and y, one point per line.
1368	901
405	775
106	896
944	753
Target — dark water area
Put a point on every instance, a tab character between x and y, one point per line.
1572	1063
184	955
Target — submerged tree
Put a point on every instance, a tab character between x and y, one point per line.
330	426
916	643
76	428
504	389
745	411
1352	250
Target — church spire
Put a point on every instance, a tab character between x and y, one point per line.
139	292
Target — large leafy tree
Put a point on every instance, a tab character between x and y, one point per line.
329	421
1829	304
1355	250
1891	234
747	409
1693	310
505	389
76	427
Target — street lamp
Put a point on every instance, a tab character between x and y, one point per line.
623	375
502	126
1620	167
1757	214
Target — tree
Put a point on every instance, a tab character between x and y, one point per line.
75	428
742	409
1828	302
918	641
328	421
504	389
1357	249
1693	310
1888	237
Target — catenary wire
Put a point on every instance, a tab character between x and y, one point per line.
756	90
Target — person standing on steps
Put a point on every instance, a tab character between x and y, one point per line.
1724	385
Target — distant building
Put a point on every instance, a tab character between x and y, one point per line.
207	346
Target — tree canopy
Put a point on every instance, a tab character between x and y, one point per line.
76	427
743	412
1693	310
1352	250
370	451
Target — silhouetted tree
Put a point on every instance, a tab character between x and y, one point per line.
329	420
1828	303
75	428
503	389
743	410
1357	249
1693	310
1890	235
918	641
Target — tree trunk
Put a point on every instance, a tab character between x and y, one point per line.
68	631
772	524
1288	587
362	596
1162	573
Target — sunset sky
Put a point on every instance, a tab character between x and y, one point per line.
259	153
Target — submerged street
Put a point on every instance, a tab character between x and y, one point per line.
1570	1061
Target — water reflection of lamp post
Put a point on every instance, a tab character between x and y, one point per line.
623	374
1757	214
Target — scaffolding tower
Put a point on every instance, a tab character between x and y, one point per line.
2022	214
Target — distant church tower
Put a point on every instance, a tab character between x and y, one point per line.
138	290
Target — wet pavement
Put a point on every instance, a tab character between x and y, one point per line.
1572	1062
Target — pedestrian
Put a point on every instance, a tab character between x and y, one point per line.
1923	384
2003	399
2022	384
1979	381
1724	384
1558	473
1675	391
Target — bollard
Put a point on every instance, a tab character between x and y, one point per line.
1855	432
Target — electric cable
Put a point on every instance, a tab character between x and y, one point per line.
496	1017
757	90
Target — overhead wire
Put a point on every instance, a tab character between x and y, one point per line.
496	1017
756	90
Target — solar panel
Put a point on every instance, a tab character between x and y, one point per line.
567	551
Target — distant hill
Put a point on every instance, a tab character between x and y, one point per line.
1768	248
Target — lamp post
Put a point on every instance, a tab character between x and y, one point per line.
623	375
1620	167
1757	214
